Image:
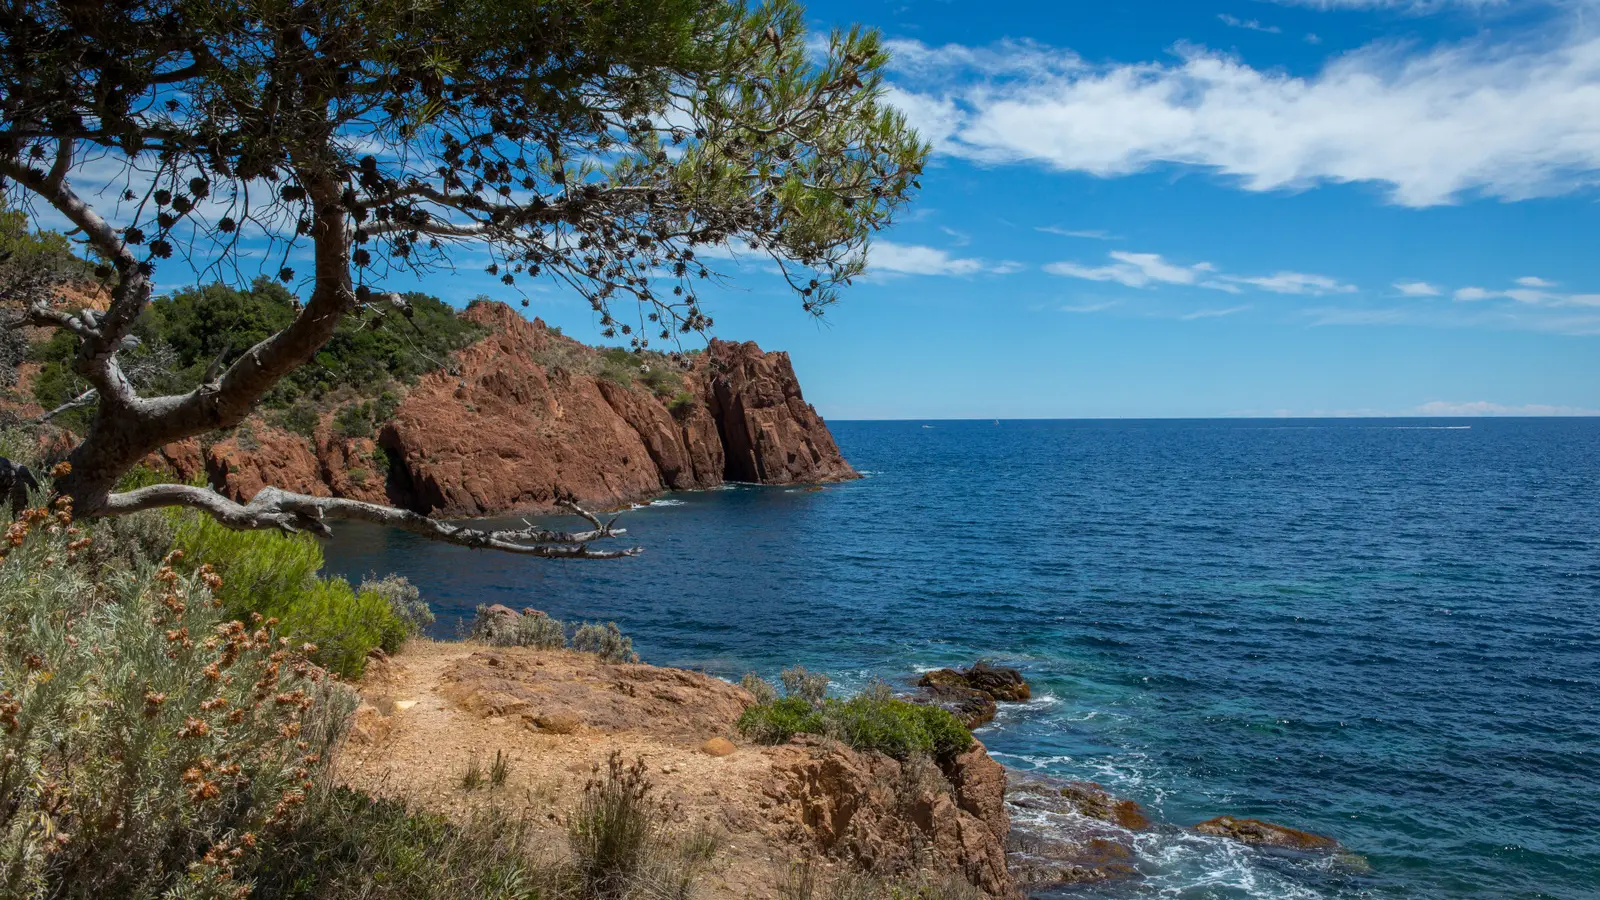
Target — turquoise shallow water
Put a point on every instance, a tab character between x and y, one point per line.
1381	630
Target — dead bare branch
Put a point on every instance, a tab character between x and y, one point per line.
274	508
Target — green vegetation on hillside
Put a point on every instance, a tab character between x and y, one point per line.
190	330
873	720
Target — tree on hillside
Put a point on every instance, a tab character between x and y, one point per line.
605	144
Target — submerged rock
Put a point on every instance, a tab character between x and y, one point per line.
1002	683
1059	864
1094	801
1068	833
1265	834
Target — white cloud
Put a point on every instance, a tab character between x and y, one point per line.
1530	293
1248	24
1505	120
1416	289
1485	408
1133	269
1298	283
1212	313
889	258
1094	234
1416	6
1147	269
1089	307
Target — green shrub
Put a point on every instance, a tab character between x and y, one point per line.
404	599
683	403
342	623
895	727
301	418
275	575
872	720
759	687
776	721
811	687
353	421
605	641
385	407
144	738
530	629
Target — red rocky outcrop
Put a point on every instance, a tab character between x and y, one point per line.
891	818
518	419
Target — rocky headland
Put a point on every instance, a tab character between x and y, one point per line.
522	417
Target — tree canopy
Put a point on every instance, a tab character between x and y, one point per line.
609	145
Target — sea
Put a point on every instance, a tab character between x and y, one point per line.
1382	630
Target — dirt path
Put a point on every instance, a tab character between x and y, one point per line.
438	708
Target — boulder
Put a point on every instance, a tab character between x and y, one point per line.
1003	684
972	707
557	723
1265	834
718	746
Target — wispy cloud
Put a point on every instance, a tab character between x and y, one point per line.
1134	270
1212	313
1248	24
1531	291
887	258
1139	270
1411	6
1093	234
1507	120
1417	289
1298	283
1088	307
1486	408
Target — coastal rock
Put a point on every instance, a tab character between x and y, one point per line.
518	419
770	434
1265	834
1092	800
972	707
1004	684
257	456
1062	864
877	811
1067	833
547	687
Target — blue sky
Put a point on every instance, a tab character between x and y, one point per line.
1219	208
1195	208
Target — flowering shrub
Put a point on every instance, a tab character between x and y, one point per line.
146	744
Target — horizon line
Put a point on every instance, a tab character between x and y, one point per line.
1332	418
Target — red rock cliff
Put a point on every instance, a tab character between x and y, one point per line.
518	419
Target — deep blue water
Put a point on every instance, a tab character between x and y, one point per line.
1381	630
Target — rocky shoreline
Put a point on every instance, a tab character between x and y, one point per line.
555	713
